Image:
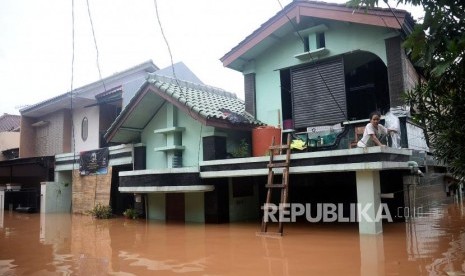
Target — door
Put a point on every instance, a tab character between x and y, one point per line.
175	207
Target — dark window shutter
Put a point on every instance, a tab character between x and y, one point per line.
313	103
249	93
394	68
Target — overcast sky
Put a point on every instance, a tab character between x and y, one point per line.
36	41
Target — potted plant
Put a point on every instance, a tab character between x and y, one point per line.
242	150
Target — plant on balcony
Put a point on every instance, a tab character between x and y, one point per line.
242	150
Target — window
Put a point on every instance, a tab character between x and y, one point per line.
84	128
320	40
314	42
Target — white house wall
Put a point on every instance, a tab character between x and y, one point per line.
93	140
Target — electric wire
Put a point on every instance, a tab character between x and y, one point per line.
313	60
397	19
71	89
95	44
189	109
166	41
182	92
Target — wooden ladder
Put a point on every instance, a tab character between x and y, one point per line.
270	185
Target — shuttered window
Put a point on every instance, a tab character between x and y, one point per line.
249	93
313	103
395	70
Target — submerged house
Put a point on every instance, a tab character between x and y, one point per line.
322	64
180	124
323	68
53	134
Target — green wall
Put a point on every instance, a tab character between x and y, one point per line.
191	138
155	160
340	38
194	207
156	206
192	154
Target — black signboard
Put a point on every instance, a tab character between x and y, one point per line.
93	162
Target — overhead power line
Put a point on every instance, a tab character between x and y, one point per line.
166	40
313	60
95	44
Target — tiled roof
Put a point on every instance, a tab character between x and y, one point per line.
207	101
9	122
208	105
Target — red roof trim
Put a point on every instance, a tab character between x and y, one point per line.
296	9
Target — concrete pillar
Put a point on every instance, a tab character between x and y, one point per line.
371	255
2	199
369	201
43	196
2	209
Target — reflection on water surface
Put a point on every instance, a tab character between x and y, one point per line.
64	244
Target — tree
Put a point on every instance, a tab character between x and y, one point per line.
437	45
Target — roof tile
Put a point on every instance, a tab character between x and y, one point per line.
9	122
209	102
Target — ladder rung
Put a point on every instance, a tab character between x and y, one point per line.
275	150
278	165
277	147
275	186
269	207
269	234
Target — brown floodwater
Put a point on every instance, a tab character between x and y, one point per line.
65	244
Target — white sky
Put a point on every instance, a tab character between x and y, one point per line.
36	41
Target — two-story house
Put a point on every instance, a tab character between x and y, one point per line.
60	128
324	67
315	64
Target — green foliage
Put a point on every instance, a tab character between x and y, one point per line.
242	150
131	213
101	211
437	45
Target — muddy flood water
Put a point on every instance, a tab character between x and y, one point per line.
64	244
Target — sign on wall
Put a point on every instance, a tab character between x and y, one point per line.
93	162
